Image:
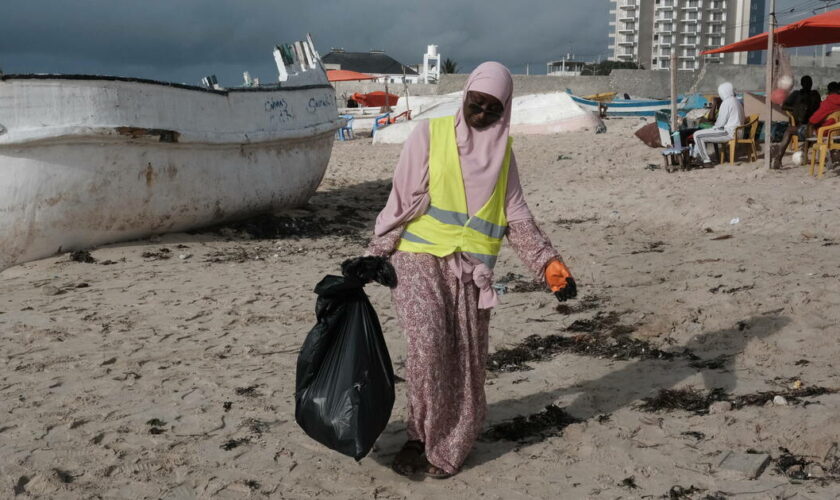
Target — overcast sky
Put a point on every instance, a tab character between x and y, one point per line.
183	40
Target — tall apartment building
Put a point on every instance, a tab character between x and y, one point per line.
646	31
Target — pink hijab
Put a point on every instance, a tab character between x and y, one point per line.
483	151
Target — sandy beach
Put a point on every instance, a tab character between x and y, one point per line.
165	369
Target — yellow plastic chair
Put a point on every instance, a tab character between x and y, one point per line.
749	129
825	142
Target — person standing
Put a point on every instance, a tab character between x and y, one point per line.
730	116
455	196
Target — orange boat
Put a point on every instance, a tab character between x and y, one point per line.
375	99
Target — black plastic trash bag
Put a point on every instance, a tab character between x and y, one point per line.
344	392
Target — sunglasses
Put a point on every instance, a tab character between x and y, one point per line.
475	108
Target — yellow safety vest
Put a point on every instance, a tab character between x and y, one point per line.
446	227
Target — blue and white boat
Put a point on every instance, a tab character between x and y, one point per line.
640	107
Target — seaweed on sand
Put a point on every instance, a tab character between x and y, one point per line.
693	400
549	422
792	396
537	348
583	304
688	399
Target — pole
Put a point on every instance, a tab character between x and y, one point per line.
768	83
673	89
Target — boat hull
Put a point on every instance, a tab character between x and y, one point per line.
132	167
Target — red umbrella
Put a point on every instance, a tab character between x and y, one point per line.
816	30
345	75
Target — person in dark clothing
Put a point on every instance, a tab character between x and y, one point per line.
802	104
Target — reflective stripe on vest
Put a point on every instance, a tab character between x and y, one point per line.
446	227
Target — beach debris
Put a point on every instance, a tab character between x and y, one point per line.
688	399
162	253
549	422
791	396
20	486
722	237
185	256
250	391
82	256
572	221
653	247
748	464
678	492
601	129
734	220
790	465
516	283
227	405
563	157
700	402
608	323
583	304
234	443
802	362
780	401
156	426
606	338
64	476
629	483
651	166
694	434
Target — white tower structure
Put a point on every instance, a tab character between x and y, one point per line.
431	65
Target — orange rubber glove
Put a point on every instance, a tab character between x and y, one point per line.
559	279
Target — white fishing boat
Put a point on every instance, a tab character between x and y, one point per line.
88	160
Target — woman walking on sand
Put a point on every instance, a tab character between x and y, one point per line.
455	195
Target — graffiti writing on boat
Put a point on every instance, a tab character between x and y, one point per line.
324	101
279	110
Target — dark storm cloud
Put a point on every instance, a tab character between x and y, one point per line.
183	40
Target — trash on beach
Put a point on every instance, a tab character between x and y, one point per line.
344	392
734	221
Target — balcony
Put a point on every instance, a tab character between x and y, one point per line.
666	5
625	18
716	21
627	43
626	30
627	6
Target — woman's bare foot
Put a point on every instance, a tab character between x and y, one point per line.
410	460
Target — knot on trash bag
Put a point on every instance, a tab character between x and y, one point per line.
370	268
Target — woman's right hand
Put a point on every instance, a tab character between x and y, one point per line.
370	268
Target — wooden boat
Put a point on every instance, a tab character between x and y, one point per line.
88	160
